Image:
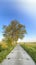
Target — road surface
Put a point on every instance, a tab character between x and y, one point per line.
18	57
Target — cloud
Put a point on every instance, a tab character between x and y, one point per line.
27	40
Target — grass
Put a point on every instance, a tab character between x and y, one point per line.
30	48
5	52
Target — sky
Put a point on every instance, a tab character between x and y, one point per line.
22	10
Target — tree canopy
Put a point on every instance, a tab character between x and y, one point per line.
14	30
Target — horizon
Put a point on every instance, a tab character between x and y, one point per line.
23	11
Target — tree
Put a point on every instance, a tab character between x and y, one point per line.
14	30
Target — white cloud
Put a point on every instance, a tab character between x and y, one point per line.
27	40
1	37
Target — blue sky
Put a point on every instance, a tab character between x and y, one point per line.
22	10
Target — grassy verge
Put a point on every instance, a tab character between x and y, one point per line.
5	52
31	49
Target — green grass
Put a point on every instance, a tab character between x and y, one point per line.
31	49
5	52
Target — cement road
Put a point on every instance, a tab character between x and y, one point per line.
18	57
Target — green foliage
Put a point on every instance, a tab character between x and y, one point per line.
0	48
5	52
31	49
14	30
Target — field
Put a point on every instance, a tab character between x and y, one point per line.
5	50
30	48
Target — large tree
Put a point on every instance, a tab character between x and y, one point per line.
14	31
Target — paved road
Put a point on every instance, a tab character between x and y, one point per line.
18	57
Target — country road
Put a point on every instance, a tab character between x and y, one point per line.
18	57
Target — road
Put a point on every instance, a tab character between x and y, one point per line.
18	57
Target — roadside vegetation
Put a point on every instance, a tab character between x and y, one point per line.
5	49
30	47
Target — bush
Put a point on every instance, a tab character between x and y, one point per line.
3	46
